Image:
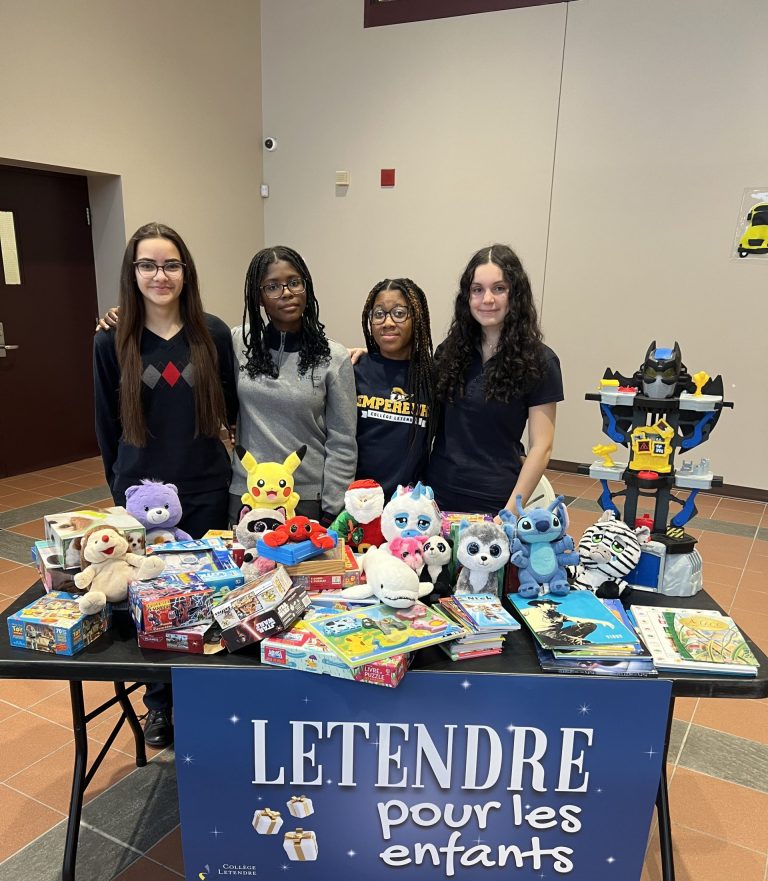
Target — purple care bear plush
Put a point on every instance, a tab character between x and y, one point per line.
157	507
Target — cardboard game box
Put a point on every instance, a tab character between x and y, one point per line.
200	639
252	597
169	602
210	559
259	625
55	624
50	565
300	649
65	530
347	571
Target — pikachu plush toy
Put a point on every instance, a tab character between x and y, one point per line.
270	484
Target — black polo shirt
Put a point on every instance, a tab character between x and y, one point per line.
476	458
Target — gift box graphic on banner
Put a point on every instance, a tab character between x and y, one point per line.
450	775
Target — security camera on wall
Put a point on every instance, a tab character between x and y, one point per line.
270	144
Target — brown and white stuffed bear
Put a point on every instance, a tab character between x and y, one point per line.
112	567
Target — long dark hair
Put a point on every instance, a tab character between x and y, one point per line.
519	362
313	343
419	383
210	410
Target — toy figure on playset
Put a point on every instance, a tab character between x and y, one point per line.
270	484
359	524
658	410
540	548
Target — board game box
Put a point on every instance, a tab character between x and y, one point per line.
209	558
55	624
259	625
65	530
169	602
253	597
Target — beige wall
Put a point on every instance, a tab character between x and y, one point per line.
656	135
159	102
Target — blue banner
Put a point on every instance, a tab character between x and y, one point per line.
289	775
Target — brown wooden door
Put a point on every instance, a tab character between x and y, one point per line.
46	384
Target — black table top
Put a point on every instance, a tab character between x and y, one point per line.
116	657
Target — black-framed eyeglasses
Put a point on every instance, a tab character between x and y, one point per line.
398	314
149	269
274	289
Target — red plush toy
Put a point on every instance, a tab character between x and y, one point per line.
299	529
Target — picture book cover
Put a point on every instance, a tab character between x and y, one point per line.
575	620
656	633
715	639
483	611
359	636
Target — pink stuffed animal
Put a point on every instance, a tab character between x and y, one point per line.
409	550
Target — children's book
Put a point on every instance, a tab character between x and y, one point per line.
636	650
573	621
482	612
595	666
692	640
359	636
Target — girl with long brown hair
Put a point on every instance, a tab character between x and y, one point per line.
164	388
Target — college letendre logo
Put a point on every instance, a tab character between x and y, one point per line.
227	869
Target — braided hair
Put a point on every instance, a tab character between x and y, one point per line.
519	363
420	367
313	343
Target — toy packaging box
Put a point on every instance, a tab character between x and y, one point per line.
261	625
50	565
228	537
65	530
169	602
255	596
210	559
200	639
448	518
55	624
346	571
300	649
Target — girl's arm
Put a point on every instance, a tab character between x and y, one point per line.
340	442
106	387
541	437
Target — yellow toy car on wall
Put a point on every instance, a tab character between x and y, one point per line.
755	238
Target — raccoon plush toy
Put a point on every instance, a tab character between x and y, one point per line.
483	550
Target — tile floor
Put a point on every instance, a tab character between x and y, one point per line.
718	761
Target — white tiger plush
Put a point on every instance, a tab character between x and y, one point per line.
608	550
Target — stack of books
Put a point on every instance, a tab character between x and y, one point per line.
579	633
485	618
694	641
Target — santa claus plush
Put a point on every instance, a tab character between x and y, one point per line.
359	524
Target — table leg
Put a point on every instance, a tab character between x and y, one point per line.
662	809
130	715
78	780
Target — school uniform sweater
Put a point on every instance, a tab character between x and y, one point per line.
173	453
278	415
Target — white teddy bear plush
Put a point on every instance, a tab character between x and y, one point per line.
112	567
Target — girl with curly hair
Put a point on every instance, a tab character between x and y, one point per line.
394	385
493	374
294	385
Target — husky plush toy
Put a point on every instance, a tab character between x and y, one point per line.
483	550
410	513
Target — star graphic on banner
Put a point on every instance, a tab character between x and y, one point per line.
351	853
234	719
284	868
599	790
306	700
188	760
478	840
215	832
584	709
511	727
329	782
611	860
651	753
466	684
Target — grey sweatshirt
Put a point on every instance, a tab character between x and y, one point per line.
318	409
